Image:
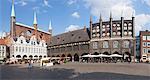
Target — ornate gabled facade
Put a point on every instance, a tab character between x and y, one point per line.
21	48
113	37
27	41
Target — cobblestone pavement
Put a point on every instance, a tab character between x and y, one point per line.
77	71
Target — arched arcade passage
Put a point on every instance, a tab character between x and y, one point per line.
76	57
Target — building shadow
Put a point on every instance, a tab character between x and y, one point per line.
14	73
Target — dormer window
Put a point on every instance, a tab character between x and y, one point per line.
72	34
21	41
31	42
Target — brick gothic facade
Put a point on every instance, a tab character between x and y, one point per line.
113	37
106	37
19	29
145	46
28	31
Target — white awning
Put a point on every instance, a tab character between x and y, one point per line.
103	55
89	55
116	55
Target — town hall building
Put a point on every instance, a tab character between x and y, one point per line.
102	37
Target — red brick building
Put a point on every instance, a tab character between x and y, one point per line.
145	45
18	29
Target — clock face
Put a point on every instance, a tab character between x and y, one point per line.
115	44
126	44
105	44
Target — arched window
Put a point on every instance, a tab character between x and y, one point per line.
31	42
115	44
19	49
21	41
105	44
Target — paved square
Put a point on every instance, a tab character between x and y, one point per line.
78	71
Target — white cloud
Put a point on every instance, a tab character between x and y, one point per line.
72	28
75	15
142	22
46	3
105	6
22	2
70	2
146	1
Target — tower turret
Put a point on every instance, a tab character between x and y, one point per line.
35	24
122	24
111	24
100	25
91	27
133	23
12	21
50	27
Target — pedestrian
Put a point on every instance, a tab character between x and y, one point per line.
29	64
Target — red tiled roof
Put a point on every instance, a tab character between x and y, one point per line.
2	42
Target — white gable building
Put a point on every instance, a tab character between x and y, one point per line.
28	49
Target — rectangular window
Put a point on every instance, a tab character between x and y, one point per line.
22	49
19	49
148	37
144	37
148	44
16	49
148	51
26	49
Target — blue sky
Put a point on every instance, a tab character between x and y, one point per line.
73	14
